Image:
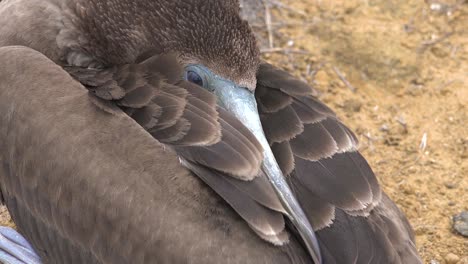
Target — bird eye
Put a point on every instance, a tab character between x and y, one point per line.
195	78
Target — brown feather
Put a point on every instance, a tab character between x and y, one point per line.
284	156
361	163
382	237
332	181
138	97
233	154
173	133
247	137
204	128
270	100
280	239
336	180
351	135
318	211
263	220
166	65
282	125
105	105
314	143
147	116
130	76
343	141
270	76
172	107
313	103
113	171
89	76
200	93
307	114
260	190
108	91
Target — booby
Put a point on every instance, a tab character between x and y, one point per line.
111	109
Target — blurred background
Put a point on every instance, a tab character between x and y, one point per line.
396	71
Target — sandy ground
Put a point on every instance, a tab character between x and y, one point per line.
397	73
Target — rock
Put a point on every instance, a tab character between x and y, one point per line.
463	261
460	223
451	258
352	105
392	140
384	128
451	185
439	52
322	79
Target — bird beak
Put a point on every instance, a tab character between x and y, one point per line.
242	104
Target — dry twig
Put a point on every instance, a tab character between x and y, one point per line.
284	50
266	4
426	44
344	80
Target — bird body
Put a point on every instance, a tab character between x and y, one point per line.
111	109
155	211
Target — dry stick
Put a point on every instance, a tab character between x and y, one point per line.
293	65
304	23
281	5
343	79
444	85
427	44
318	68
284	50
308	69
268	23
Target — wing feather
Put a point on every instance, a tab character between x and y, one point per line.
314	143
282	125
55	228
354	220
269	224
284	156
211	142
332	181
271	100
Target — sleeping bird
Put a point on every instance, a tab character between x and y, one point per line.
152	132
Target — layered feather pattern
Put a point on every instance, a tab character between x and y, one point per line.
354	220
210	141
316	152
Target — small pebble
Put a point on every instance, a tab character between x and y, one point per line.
438	52
450	185
352	105
384	128
460	223
451	258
